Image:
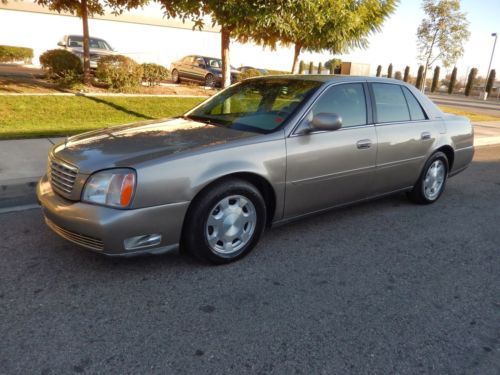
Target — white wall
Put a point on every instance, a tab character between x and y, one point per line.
144	43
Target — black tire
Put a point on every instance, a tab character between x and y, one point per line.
418	193
210	80
196	227
175	76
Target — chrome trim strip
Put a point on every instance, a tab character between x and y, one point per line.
333	175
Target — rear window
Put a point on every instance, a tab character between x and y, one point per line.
390	103
416	111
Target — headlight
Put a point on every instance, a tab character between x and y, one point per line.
114	188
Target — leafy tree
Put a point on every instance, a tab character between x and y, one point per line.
389	71
324	25
311	67
406	77
435	78
320	68
442	34
470	81
379	70
84	9
420	76
491	81
241	20
333	64
453	81
301	67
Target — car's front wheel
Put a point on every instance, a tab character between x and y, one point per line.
432	181
225	222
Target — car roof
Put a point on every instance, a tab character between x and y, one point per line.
81	36
332	78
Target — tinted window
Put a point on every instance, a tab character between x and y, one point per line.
416	111
390	103
346	100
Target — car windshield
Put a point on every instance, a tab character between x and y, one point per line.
77	41
261	105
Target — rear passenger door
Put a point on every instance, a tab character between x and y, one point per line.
405	136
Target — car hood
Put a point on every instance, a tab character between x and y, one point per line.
93	51
130	145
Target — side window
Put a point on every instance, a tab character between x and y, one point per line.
390	103
416	111
346	100
188	60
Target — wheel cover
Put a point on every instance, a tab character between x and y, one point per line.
434	179
230	225
210	80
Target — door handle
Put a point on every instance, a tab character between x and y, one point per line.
425	135
364	143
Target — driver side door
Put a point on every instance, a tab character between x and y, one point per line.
331	168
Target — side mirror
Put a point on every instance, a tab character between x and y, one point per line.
326	122
61	44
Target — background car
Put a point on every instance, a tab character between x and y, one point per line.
98	47
207	70
243	69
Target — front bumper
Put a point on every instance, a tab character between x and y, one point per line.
103	229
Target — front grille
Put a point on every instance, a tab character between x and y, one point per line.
62	176
77	238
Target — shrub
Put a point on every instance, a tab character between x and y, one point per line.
453	81
379	70
470	81
398	75
406	76
12	54
491	81
420	76
301	67
61	65
249	73
435	79
154	73
119	71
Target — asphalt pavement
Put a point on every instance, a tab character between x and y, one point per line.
386	287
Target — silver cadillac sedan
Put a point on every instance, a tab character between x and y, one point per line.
262	152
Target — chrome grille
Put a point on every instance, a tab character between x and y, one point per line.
77	238
62	176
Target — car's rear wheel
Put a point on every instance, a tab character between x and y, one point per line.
210	80
225	222
432	181
175	76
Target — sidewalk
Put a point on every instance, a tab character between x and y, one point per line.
23	162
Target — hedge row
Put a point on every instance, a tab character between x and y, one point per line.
11	54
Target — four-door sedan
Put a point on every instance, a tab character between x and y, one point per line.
98	48
262	152
206	70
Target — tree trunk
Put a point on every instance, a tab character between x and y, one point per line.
226	66
296	55
86	44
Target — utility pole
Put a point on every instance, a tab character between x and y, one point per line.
489	67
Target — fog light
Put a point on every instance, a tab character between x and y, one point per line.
140	242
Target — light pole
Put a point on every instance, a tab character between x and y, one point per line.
489	67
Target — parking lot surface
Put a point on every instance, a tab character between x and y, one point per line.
385	287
